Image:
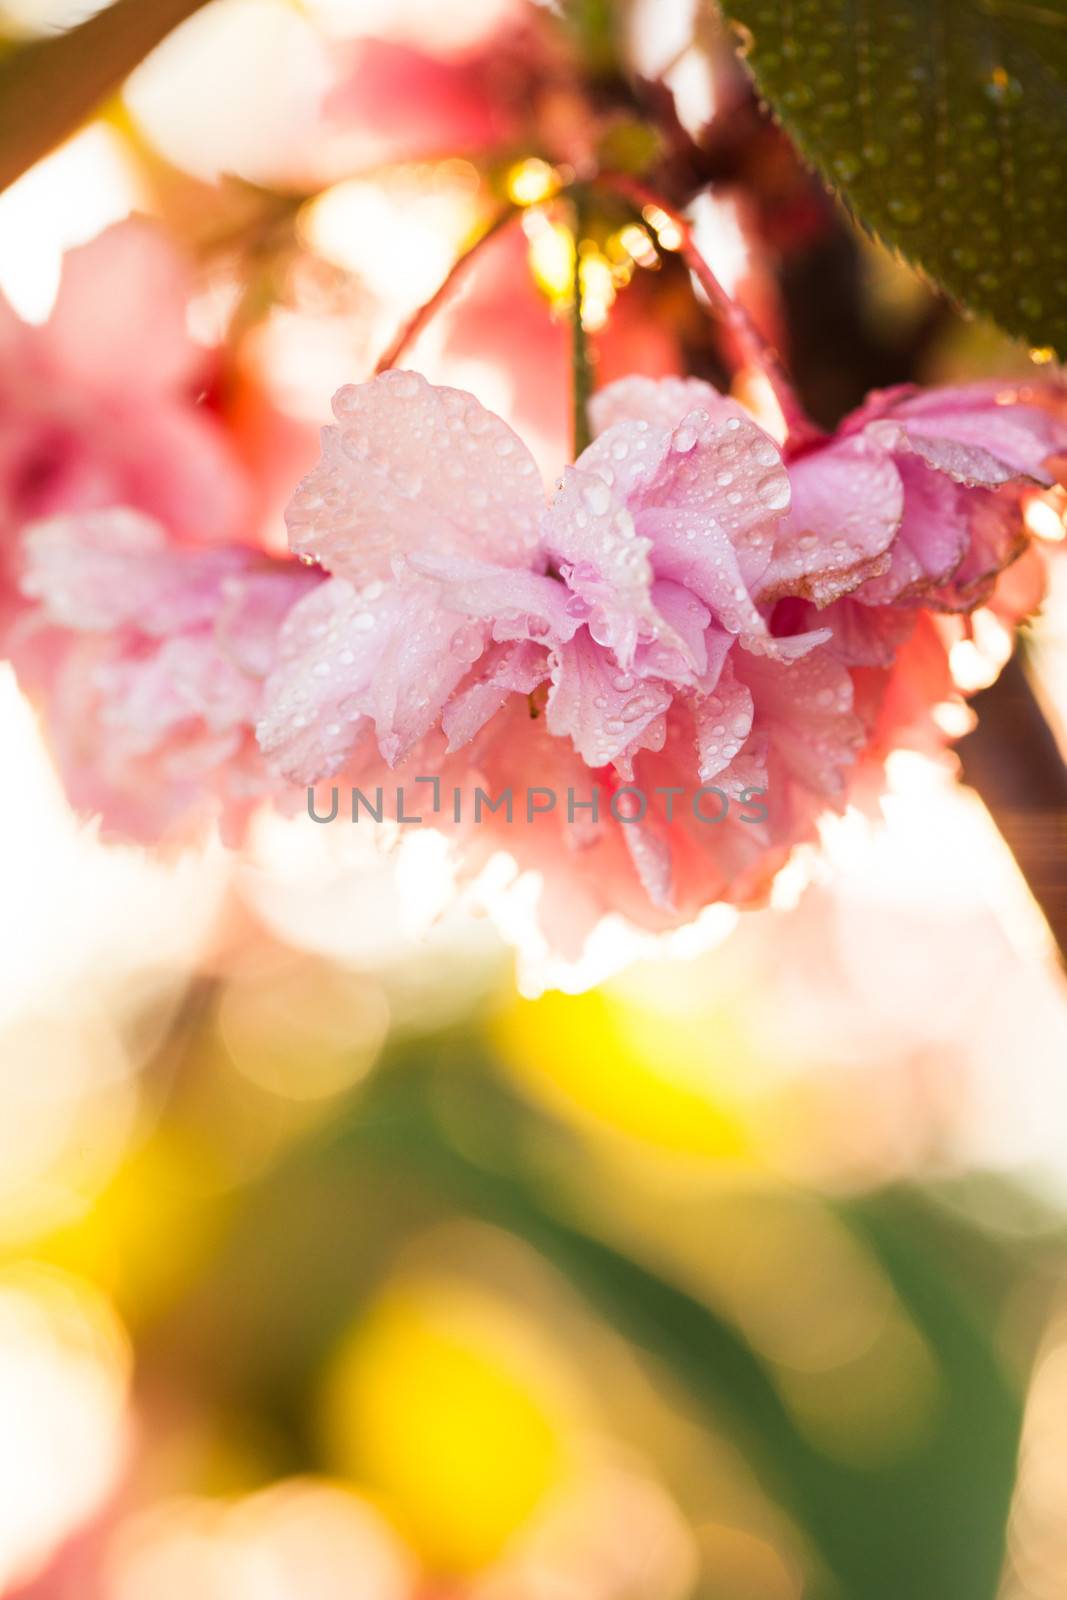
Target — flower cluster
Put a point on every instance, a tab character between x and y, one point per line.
693	606
690	608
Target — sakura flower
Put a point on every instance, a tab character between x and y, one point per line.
964	456
98	405
628	609
148	661
420	94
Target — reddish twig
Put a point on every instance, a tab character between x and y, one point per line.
752	348
414	326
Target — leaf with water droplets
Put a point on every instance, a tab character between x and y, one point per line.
943	125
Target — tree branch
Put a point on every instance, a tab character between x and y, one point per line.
51	85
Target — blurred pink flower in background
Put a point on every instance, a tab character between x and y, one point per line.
100	406
149	660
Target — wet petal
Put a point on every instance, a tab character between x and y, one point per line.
934	536
658	403
806	709
411	467
590	535
390	654
605	711
980	433
723	721
847	502
506	670
518	603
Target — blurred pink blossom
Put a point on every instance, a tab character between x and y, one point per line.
147	660
425	96
99	406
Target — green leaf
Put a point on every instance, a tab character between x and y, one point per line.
49	87
435	1139
943	124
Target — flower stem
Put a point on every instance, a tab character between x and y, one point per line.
581	369
415	324
1014	763
751	348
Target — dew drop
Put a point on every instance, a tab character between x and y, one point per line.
597	497
773	490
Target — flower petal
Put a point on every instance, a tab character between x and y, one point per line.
520	604
847	502
607	712
109	569
723	721
413	467
650	852
710	507
590	534
118	324
687	648
934	536
806	709
505	670
390	653
659	403
979	433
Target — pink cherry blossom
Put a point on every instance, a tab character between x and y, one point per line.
963	456
627	615
422	93
147	660
98	406
688	609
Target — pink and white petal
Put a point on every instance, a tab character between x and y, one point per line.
659	403
964	463
626	455
932	540
1005	433
131	750
147	696
702	559
705	562
720	472
862	635
847	503
650	851
690	647
101	570
391	654
119	322
996	536
784	647
590	534
723	722
720	481
606	712
413	467
506	670
806	709
520	604
747	771
252	609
